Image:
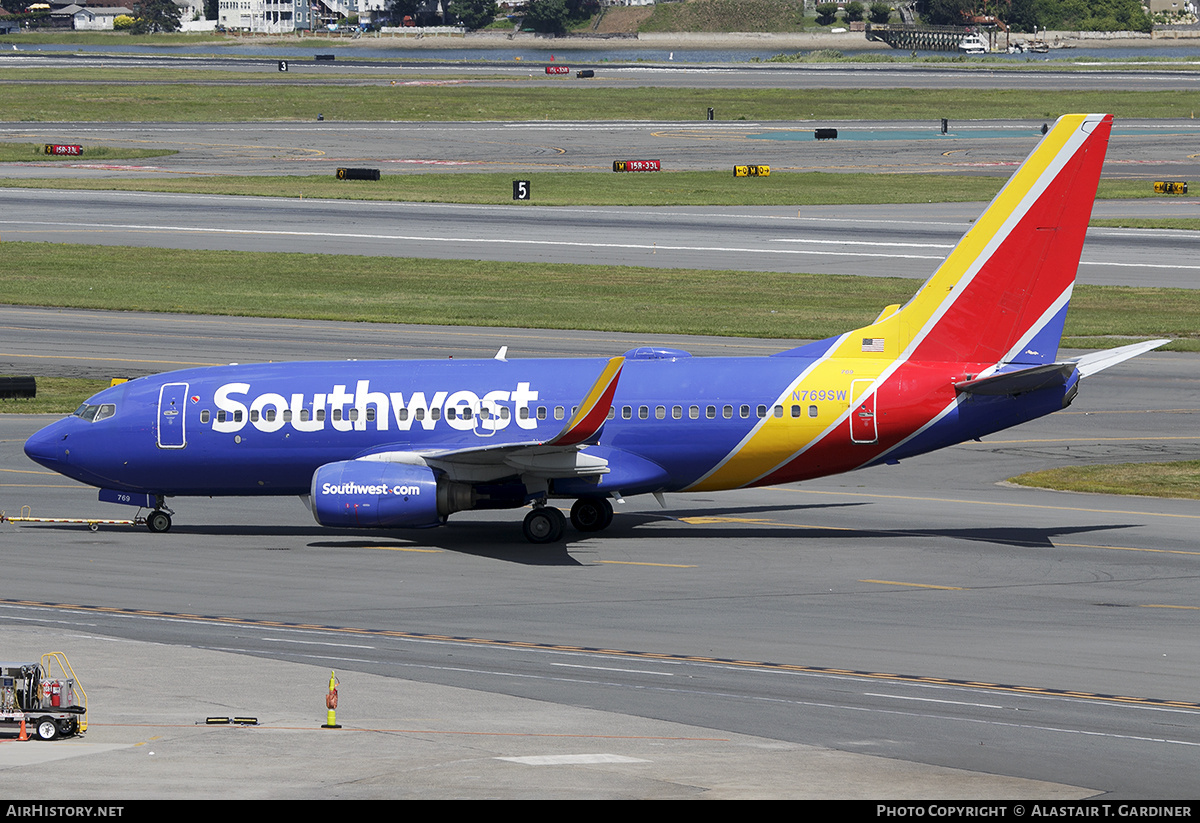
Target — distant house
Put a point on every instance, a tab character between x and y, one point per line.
8	25
97	19
1172	7
265	16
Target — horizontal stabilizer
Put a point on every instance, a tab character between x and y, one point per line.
1098	361
1018	382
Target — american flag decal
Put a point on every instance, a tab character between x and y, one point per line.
872	344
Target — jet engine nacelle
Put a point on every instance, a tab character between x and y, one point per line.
377	495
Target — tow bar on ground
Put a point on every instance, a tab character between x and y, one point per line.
93	523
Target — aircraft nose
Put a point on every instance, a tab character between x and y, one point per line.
42	447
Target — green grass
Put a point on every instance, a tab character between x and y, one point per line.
726	15
1181	480
298	99
692	188
1184	223
524	295
61	395
115	39
572	189
36	152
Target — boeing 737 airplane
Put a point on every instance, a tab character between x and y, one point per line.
405	444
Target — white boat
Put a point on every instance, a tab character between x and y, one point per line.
974	43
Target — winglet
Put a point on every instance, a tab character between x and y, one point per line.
589	418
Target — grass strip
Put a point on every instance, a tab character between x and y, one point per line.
298	100
36	152
522	295
1180	479
680	188
55	395
1178	223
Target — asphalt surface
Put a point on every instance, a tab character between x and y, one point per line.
898	241
1148	150
919	613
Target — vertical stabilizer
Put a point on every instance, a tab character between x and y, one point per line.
1002	293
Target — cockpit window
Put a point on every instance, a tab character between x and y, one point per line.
92	412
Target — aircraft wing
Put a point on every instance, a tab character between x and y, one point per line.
560	456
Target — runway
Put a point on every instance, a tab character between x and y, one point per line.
898	241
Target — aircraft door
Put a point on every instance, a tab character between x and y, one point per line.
172	403
862	416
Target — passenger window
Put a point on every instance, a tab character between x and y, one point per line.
779	411
204	416
728	412
812	411
694	412
643	412
795	411
677	412
558	412
626	412
711	412
761	411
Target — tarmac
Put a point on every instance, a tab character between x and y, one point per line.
148	739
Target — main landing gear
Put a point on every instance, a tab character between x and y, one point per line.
545	524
